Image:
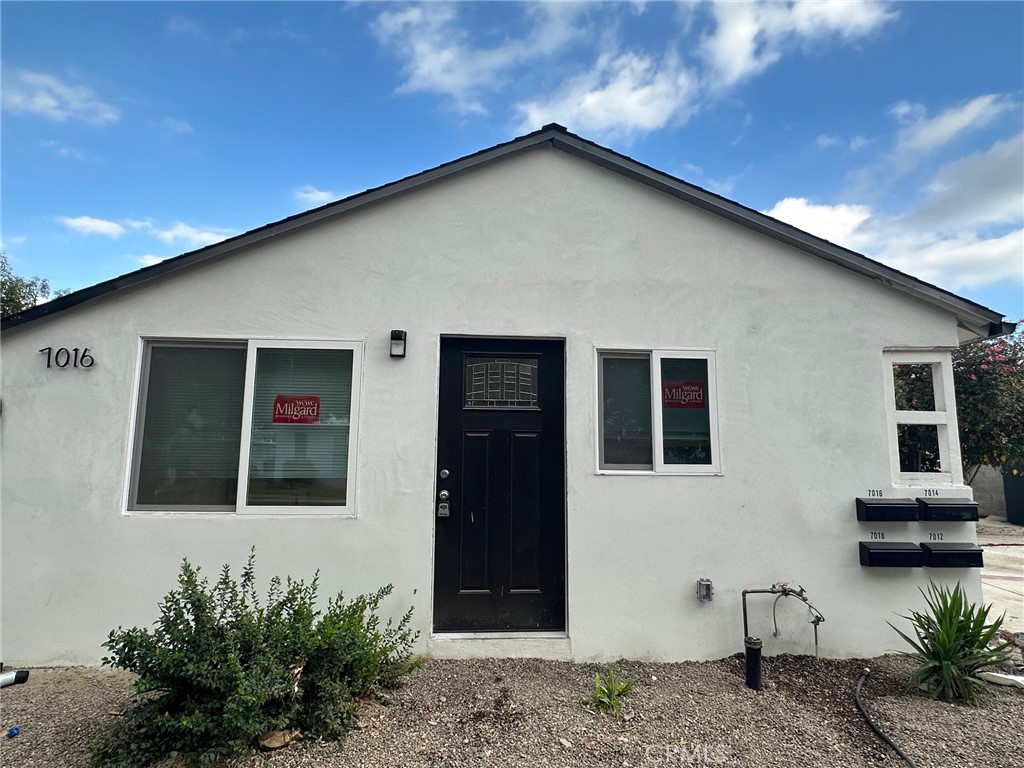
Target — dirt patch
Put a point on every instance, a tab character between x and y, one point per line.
527	712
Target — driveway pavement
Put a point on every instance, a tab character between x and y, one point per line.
1002	578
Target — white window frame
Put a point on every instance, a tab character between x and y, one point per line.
943	418
242	508
655	356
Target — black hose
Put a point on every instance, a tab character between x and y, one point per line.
875	728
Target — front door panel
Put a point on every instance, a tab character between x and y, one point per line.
499	562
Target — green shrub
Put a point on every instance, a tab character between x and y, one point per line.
952	645
220	667
609	689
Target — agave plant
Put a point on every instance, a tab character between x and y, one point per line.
952	645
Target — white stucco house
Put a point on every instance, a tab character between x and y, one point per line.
542	389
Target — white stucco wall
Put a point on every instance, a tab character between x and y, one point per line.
543	244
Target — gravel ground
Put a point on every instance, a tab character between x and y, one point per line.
527	712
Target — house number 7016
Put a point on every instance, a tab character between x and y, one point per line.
63	357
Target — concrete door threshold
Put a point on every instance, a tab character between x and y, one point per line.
511	645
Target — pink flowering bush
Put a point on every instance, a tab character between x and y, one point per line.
989	380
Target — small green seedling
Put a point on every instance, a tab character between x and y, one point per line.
609	689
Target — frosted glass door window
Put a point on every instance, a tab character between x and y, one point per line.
501	382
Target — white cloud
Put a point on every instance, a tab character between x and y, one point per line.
180	232
87	225
906	112
622	96
825	141
310	195
921	140
962	261
750	37
858	142
731	52
983	189
177	233
967	231
60	149
836	223
176	125
193	236
439	58
6	243
179	25
921	134
43	95
619	92
196	32
718	186
149	260
953	262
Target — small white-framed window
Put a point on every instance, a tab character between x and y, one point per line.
248	427
924	446
658	411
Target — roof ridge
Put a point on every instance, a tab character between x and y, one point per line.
983	320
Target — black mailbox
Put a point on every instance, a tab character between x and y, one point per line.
891	554
946	510
952	555
886	510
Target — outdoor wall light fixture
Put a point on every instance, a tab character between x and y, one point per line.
704	590
398	343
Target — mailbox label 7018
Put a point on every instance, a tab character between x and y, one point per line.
64	357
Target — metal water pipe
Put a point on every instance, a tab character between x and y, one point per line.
752	646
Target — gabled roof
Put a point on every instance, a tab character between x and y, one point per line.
975	318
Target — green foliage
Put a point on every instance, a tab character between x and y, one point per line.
989	380
952	645
221	667
988	377
18	293
609	689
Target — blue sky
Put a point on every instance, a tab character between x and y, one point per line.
133	132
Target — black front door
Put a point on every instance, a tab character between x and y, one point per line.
499	505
